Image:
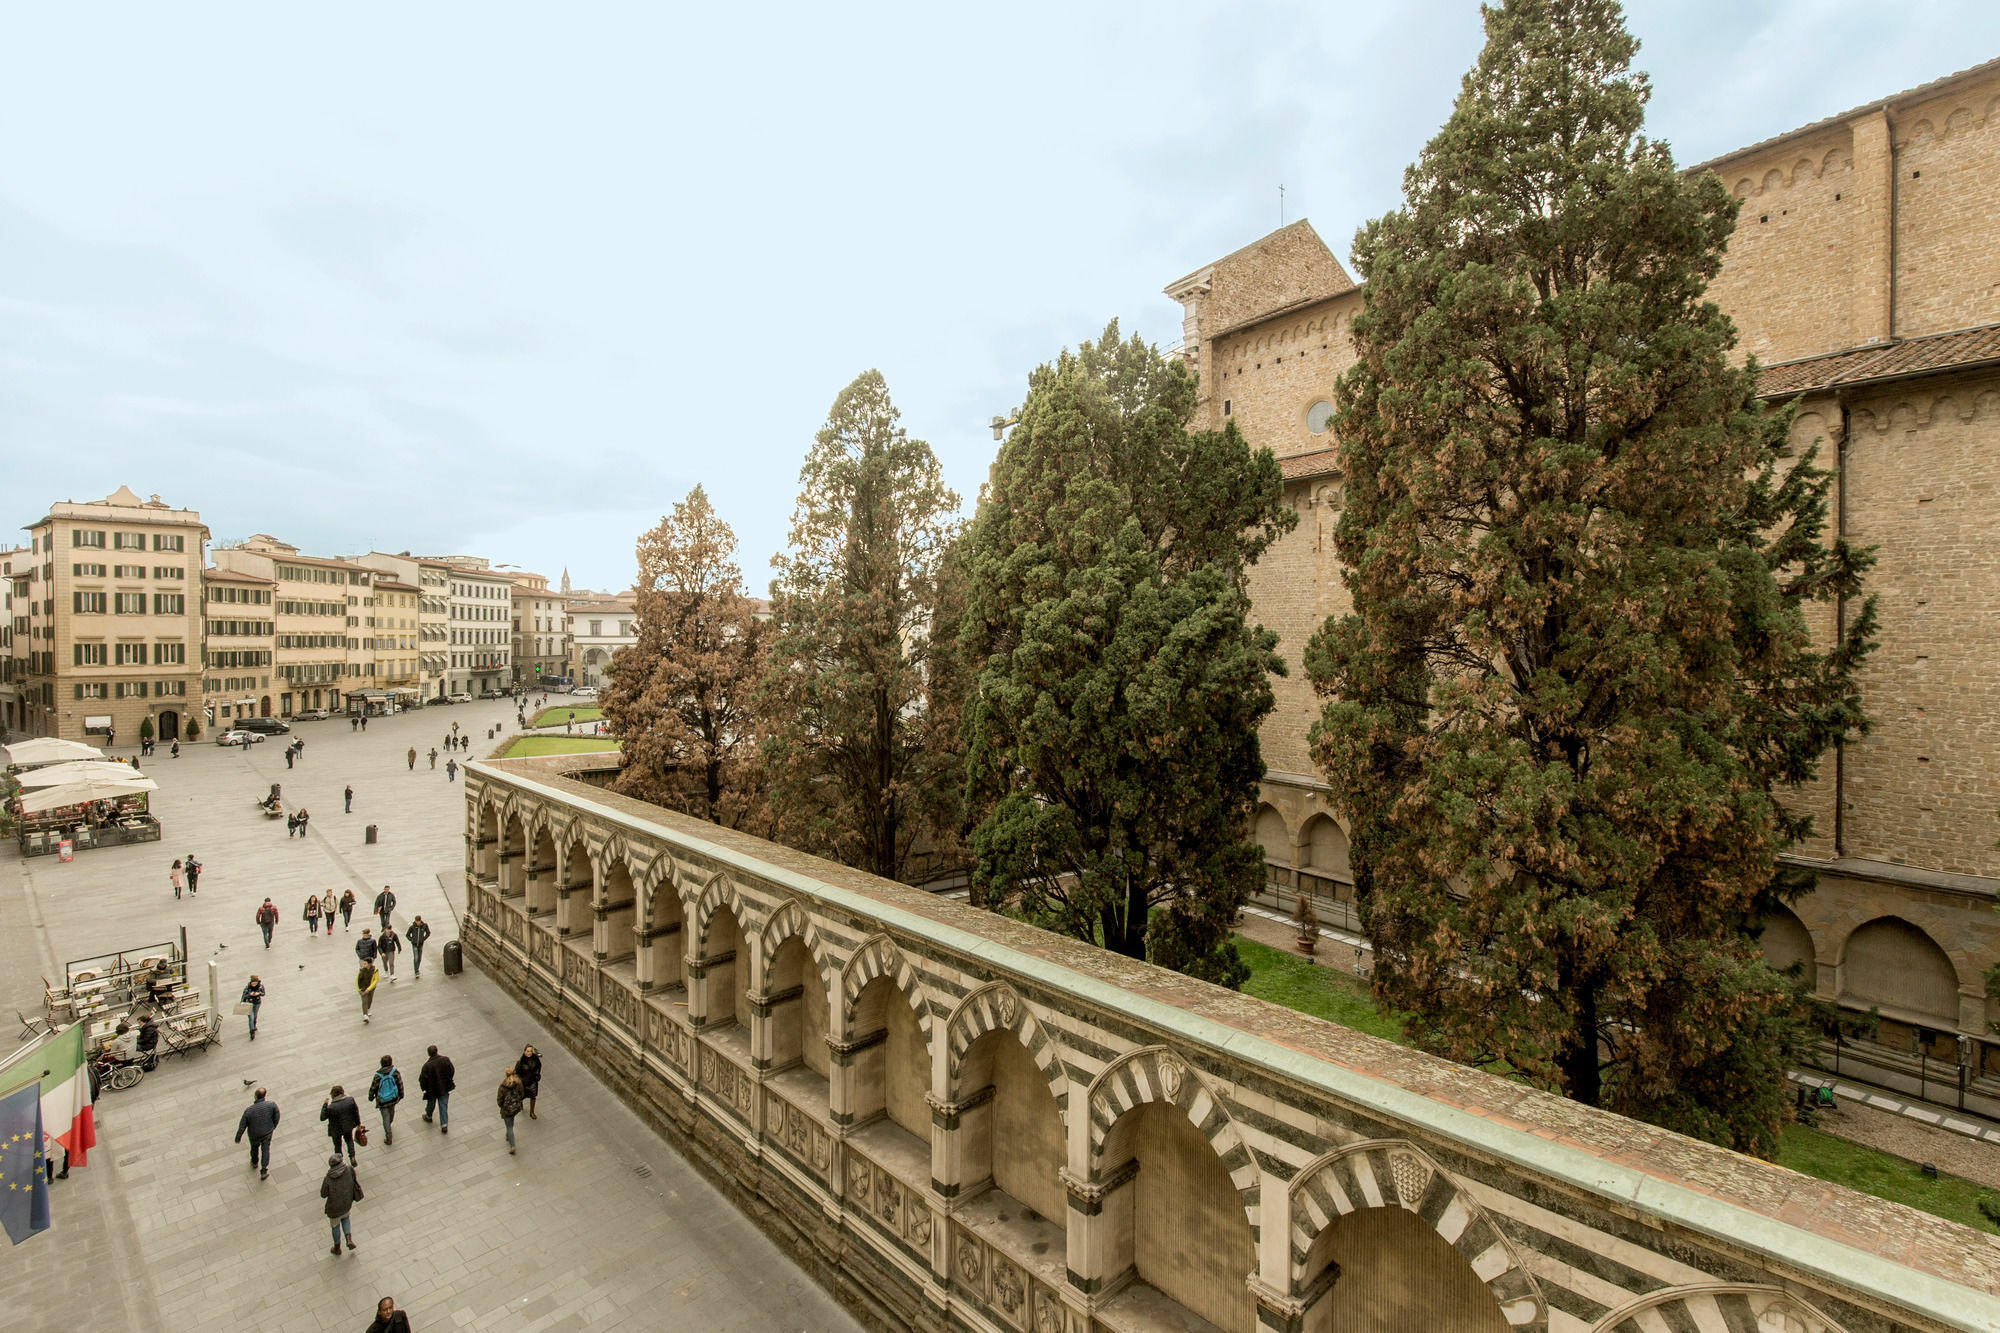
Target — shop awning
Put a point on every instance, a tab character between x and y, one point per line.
49	750
90	789
55	775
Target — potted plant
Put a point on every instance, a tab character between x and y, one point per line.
1307	921
193	730
145	728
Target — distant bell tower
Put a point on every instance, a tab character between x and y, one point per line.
565	582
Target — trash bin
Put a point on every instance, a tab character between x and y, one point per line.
371	834
454	958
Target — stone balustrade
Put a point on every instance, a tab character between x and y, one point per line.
957	1121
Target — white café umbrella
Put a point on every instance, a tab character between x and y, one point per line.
54	775
49	750
89	789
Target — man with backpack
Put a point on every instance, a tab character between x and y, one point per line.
267	918
385	1090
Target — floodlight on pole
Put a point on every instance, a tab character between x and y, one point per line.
1001	426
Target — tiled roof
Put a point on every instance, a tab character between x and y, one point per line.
1905	359
1907	95
1318	463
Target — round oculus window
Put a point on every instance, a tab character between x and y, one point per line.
1319	416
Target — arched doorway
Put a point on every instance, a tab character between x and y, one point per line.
1180	1222
1893	965
1786	941
169	724
1397	1273
264	706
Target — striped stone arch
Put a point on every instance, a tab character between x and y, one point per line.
1724	1305
878	956
720	891
569	834
1156	1074
1392	1173
789	920
659	878
996	1008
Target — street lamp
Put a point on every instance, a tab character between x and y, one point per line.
1001	426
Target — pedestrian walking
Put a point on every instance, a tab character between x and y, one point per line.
349	795
388	1319
288	755
529	1069
260	1122
436	1080
386	949
366	948
305	817
176	750
364	985
413	758
193	874
385	1090
329	905
174	878
346	909
451	770
342	1118
364	721
353	724
267	920
434	758
313	914
253	995
291	825
385	902
342	1190
510	1102
415	936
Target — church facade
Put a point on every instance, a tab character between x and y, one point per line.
1864	277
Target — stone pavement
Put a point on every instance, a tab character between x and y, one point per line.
595	1224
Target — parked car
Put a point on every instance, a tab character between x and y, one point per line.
584	692
489	694
458	698
233	737
312	715
270	726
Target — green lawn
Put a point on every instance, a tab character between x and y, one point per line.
1824	1157
557	714
1324	992
525	746
1329	993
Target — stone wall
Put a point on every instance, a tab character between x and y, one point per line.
1179	1156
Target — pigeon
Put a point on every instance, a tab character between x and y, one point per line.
248	1081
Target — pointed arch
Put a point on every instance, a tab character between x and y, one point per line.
878	956
1718	1305
996	1007
720	891
1394	1173
1156	1074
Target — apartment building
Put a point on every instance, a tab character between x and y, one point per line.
107	619
481	612
540	631
428	583
319	608
239	656
11	671
395	630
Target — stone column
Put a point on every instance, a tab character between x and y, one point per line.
1871	299
509	874
1100	1230
847	1069
961	1145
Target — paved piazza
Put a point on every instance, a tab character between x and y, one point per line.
595	1224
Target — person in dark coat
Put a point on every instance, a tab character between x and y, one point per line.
435	1081
510	1102
312	913
267	920
260	1122
149	1042
415	936
253	995
343	1117
386	1090
388	1319
385	903
529	1067
386	950
346	910
366	948
342	1190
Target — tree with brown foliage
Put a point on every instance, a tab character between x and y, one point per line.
681	697
862	744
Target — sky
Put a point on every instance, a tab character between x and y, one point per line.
509	280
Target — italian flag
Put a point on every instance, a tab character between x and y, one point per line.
66	1110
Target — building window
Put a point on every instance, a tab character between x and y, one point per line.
128	541
168	689
87	603
1319	416
128	603
128	654
169	604
128	571
163	541
81	537
170	654
169	572
92	690
87	571
88	654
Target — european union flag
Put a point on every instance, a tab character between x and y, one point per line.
24	1183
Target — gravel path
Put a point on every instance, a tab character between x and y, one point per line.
1914	1141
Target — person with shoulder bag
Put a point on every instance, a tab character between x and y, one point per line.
342	1190
510	1100
385	1090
